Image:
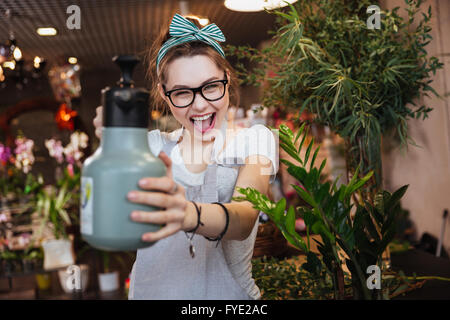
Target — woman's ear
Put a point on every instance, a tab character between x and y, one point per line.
161	91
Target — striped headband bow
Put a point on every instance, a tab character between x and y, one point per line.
182	30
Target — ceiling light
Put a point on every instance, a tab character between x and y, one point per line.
9	64
37	62
48	31
72	60
17	54
256	5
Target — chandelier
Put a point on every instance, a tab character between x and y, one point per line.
12	65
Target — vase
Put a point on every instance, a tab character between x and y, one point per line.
108	281
43	281
58	253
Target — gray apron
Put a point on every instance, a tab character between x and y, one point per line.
167	271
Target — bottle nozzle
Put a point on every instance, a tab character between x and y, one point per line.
126	64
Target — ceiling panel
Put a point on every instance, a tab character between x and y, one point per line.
110	27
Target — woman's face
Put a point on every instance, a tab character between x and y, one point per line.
202	118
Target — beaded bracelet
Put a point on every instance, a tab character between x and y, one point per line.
227	221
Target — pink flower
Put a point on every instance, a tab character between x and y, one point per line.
55	149
5	153
70	170
3	218
24	154
78	140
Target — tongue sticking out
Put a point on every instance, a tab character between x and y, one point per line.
204	125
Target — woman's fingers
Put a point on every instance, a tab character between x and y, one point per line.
98	133
156	199
167	161
98	121
164	184
157	217
164	232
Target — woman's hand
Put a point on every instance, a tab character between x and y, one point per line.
98	121
164	193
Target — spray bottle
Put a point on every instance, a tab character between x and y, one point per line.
114	169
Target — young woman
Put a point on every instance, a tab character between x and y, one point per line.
206	159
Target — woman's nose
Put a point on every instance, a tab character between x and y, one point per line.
199	104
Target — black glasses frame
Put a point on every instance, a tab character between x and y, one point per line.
195	90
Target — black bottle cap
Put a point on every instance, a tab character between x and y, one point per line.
125	105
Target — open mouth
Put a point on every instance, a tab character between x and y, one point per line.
205	122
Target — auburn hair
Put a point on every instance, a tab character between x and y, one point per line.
187	49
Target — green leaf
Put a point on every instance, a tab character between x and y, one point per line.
324	161
308	151
314	158
300	132
396	196
280	207
359	183
305	195
290	220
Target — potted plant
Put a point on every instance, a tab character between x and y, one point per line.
351	233
10	261
58	205
32	259
51	206
108	279
359	82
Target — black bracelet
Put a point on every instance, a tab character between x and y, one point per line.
191	245
199	210
227	216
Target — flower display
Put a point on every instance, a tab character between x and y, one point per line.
24	154
71	153
15	168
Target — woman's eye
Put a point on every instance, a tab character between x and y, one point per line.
212	86
181	93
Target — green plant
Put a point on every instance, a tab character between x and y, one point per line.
16	179
361	230
284	279
9	255
361	83
107	256
55	204
33	254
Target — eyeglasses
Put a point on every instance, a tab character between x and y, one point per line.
211	91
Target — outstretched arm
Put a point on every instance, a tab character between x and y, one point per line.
180	214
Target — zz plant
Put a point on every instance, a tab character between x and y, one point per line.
361	230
